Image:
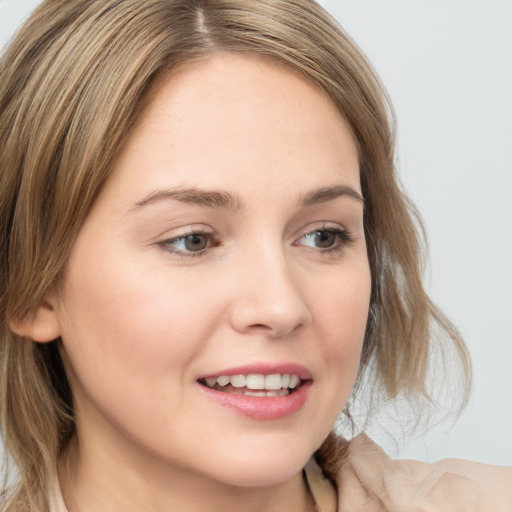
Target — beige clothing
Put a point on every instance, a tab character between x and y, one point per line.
369	481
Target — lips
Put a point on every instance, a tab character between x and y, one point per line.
263	392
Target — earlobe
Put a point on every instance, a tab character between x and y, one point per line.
41	326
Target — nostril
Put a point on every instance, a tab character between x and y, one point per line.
274	330
264	329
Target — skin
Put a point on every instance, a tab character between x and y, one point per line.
141	317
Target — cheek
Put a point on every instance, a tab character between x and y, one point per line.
339	320
120	320
129	340
341	316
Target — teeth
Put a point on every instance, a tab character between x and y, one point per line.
273	381
257	382
279	392
211	381
238	381
223	380
255	393
294	381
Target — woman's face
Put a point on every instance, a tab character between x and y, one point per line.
227	247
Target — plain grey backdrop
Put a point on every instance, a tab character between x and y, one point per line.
448	67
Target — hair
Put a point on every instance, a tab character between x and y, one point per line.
73	82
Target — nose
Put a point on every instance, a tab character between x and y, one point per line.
269	298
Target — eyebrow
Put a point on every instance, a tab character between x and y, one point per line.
228	201
329	193
210	199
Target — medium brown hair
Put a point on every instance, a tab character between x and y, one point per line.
72	84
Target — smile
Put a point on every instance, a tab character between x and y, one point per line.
254	384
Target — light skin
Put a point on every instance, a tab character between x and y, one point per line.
259	169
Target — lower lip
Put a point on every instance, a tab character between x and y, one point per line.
261	408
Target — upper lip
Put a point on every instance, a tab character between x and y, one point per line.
263	369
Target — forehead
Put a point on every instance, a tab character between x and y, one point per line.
232	117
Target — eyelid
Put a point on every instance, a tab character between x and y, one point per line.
321	225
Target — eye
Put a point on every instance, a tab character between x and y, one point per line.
194	242
325	239
190	244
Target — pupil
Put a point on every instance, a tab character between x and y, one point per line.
325	239
195	242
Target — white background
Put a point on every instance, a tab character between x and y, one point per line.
448	67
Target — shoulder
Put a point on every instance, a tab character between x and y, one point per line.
372	482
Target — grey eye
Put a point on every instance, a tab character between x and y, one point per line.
194	242
321	239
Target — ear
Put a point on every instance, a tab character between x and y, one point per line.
41	326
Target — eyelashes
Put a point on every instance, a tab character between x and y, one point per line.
199	242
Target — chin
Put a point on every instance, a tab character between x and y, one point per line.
261	468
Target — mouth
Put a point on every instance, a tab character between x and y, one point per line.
260	391
255	384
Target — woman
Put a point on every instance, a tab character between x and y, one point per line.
205	249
